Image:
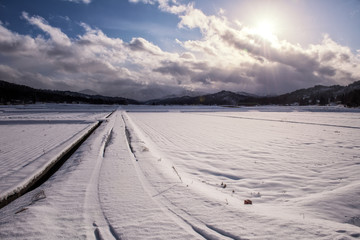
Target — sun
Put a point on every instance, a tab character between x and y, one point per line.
266	29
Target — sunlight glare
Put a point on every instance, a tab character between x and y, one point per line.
266	29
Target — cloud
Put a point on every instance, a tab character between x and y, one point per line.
79	1
93	60
174	69
231	45
170	6
55	33
227	56
194	18
14	43
143	1
141	44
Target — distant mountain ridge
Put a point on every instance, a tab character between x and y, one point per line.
220	98
348	95
11	93
318	95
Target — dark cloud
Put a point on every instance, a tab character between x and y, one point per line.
213	75
328	56
187	55
232	39
174	69
59	52
140	44
13	43
137	45
262	49
12	47
327	71
344	57
84	42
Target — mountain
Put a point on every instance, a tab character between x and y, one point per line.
319	95
220	98
322	95
14	93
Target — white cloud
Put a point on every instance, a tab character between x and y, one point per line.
170	6
143	1
80	1
55	33
194	18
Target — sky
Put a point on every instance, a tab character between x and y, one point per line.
146	49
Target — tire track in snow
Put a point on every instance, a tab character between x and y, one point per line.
202	228
142	176
92	208
125	199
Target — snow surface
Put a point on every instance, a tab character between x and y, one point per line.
160	173
33	137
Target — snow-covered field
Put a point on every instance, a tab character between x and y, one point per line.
184	173
33	136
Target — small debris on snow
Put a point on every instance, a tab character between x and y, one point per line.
247	202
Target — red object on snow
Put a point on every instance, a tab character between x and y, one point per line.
247	202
